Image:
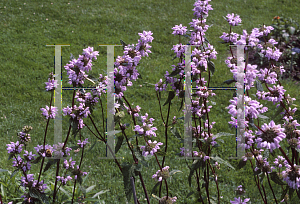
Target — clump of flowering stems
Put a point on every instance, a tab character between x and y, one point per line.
268	136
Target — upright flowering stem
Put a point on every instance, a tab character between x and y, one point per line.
103	139
166	135
265	201
271	188
77	177
45	136
57	165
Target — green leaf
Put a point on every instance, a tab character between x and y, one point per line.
196	165
90	188
241	164
181	105
221	161
90	148
155	187
291	193
175	72
189	194
258	85
170	97
257	172
2	170
211	67
175	132
261	177
284	192
276	179
14	173
220	134
263	116
50	163
160	153
174	172
64	191
10	156
38	195
278	112
127	171
79	179
119	143
138	168
100	193
37	160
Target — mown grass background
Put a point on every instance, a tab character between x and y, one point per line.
27	26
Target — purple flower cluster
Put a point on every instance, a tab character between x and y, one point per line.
125	70
146	129
49	112
51	84
151	148
24	136
78	68
83	143
160	175
239	201
233	20
77	113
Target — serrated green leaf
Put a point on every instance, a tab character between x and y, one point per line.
14	173
263	116
181	105
100	193
64	191
127	171
291	193
196	165
79	179
119	143
175	132
170	97
175	72
276	179
257	172
241	164
261	177
220	134
221	161
37	159
211	67
284	192
10	156
155	187
49	164
90	188
174	172
189	194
